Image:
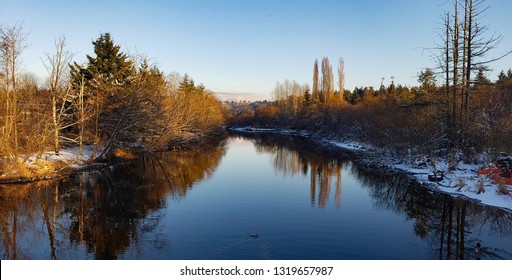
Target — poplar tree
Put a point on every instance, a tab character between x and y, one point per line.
341	78
316	92
327	81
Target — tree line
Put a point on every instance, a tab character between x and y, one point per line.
112	101
404	120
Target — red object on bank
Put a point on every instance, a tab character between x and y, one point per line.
503	171
496	174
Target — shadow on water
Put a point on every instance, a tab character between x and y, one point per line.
101	214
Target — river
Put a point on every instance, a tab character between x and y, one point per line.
247	197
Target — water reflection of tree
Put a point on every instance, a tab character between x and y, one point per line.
28	213
294	156
120	199
9	220
112	213
445	221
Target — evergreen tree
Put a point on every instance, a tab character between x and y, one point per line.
382	91
187	85
505	79
110	66
307	98
481	79
150	76
392	89
108	93
427	80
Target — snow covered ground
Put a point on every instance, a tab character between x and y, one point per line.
463	181
70	156
47	164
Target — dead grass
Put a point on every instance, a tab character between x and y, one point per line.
461	184
452	163
502	188
40	168
123	153
480	187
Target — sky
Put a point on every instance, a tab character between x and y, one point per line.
240	49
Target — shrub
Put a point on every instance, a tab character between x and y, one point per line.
460	184
502	187
480	186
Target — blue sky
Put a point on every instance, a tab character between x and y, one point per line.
242	48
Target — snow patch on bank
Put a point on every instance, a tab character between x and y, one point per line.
348	145
68	156
46	165
462	182
281	131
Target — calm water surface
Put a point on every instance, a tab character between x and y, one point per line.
258	197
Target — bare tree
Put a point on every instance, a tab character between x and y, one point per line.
455	62
57	66
477	45
341	77
464	50
12	44
445	64
316	91
81	118
173	81
327	81
465	56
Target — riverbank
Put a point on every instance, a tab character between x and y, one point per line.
50	165
459	179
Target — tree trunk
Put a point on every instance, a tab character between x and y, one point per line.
449	116
81	117
465	68
455	63
469	56
14	104
55	123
